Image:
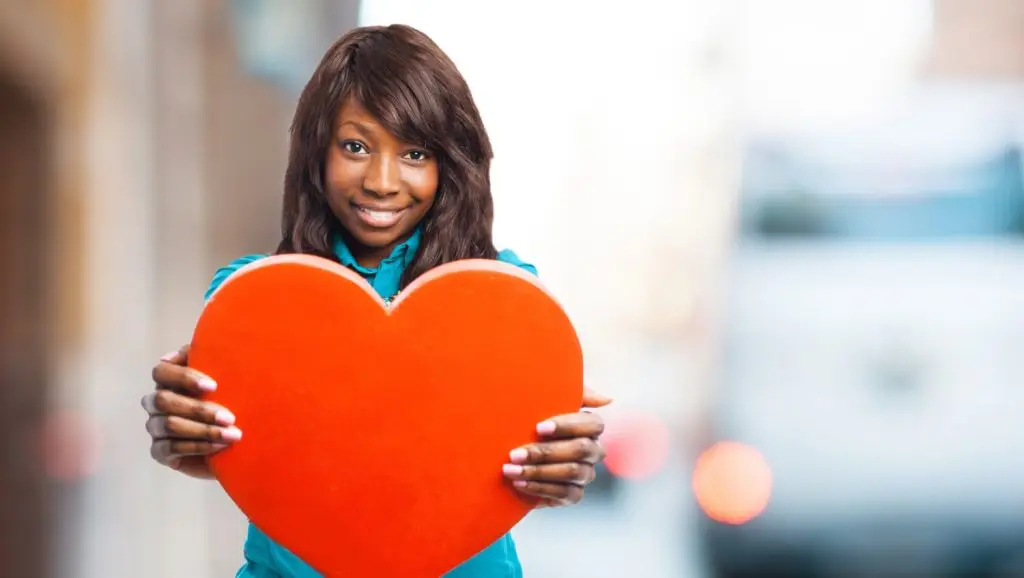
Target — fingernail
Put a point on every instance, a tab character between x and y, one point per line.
169	356
219	447
512	470
206	384
519	483
231	434
518	455
223	417
546	428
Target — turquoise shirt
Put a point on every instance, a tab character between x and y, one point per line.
264	558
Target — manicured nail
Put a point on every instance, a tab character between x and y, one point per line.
519	483
512	470
169	356
231	434
223	417
518	455
205	383
218	447
546	428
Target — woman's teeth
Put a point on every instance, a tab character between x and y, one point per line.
379	218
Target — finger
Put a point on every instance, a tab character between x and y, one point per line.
592	399
551	503
194	466
168	375
179	357
149	403
584	449
170	426
572	425
577	473
167	402
562	493
168	452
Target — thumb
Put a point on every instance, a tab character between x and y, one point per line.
593	399
179	357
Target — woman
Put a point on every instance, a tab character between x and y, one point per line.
388	174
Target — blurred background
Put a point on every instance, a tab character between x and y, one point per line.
789	233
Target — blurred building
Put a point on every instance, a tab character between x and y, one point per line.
32	80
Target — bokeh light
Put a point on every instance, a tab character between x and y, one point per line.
637	446
70	446
732	483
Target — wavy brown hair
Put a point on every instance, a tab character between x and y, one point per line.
409	84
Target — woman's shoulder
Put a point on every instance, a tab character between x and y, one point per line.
509	256
224	272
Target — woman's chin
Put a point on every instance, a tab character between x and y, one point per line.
379	240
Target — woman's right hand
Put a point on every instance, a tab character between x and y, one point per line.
185	429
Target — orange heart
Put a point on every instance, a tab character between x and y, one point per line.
374	436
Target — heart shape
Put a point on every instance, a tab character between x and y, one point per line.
374	435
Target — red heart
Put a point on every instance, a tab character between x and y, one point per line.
373	438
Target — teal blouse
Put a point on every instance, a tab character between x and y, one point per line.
264	558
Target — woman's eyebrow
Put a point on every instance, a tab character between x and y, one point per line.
362	128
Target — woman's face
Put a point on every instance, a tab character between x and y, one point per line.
378	187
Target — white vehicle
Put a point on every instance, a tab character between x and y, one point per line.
873	350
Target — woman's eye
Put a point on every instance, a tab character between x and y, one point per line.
353	147
417	155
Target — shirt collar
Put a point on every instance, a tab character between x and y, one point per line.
402	255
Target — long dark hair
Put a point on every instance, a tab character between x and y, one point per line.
411	86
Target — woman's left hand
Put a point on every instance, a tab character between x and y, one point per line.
557	469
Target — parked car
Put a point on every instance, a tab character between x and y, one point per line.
871	352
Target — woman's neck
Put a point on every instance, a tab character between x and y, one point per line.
369	260
369	257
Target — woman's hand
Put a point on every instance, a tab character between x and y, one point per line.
558	469
184	429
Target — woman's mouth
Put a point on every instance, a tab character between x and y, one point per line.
379	218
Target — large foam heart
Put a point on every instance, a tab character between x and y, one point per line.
374	435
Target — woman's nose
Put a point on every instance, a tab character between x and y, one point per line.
383	177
